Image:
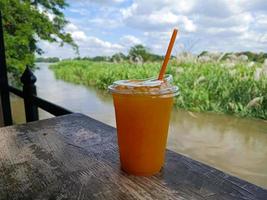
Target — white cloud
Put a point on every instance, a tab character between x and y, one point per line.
181	6
91	46
53	50
107	1
242	19
78	11
217	9
106	26
253	6
79	36
50	16
163	18
130	40
208	20
263	38
71	27
129	12
104	22
160	36
189	24
159	15
88	2
160	21
261	20
95	42
252	36
88	45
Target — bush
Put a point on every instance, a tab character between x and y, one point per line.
209	86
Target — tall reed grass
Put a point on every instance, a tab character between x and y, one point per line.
209	86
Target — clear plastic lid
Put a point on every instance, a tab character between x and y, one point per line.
151	86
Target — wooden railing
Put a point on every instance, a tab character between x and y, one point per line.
28	93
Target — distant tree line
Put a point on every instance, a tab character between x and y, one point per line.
255	57
141	54
47	60
137	53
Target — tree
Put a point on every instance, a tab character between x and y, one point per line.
118	57
26	22
155	57
203	53
48	60
100	58
139	50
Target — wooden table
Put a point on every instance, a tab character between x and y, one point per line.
76	157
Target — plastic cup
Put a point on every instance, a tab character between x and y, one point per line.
142	109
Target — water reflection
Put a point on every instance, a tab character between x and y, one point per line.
74	97
238	146
234	145
18	113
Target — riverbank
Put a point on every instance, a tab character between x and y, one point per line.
209	86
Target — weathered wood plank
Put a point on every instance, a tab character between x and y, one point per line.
76	157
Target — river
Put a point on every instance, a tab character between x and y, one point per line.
235	145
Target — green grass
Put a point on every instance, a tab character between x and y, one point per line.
203	86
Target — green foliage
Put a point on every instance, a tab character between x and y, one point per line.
47	60
255	57
96	58
155	57
118	57
25	22
100	58
211	87
102	74
203	53
203	86
139	50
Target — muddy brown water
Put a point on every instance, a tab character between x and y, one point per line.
235	145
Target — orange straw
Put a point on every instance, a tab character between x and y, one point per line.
168	54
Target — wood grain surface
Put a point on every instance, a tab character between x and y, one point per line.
76	157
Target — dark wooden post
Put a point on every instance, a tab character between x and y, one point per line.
1	114
4	91
28	79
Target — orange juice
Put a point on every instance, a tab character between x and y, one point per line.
142	120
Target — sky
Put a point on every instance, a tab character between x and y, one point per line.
105	27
